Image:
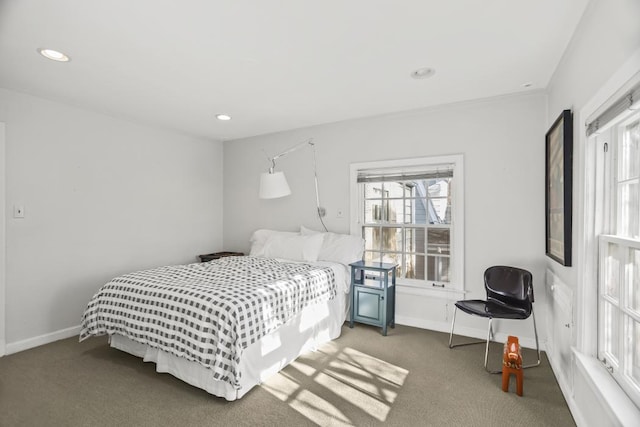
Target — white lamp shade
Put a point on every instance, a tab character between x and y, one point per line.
273	185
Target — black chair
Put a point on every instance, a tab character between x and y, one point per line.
509	296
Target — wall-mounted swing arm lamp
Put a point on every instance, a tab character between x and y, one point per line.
273	184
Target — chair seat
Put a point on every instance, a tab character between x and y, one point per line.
492	310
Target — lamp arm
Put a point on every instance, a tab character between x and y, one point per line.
291	150
321	211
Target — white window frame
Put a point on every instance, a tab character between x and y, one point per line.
456	287
589	226
608	234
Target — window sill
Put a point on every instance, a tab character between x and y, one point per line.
431	292
621	408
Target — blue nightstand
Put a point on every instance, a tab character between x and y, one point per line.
373	297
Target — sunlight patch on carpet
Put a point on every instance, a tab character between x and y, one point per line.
321	387
281	386
319	410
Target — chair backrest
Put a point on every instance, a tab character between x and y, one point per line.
510	286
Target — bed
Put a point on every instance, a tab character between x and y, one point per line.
227	325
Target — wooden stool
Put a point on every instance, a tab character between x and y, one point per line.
512	364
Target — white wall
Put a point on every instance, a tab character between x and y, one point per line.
502	141
606	38
102	197
2	239
608	34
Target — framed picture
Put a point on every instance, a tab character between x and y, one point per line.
558	194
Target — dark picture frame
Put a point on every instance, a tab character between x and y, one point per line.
558	188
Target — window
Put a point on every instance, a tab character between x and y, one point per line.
619	252
410	212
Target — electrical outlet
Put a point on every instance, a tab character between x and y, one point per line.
18	211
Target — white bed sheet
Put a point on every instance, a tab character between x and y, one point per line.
314	326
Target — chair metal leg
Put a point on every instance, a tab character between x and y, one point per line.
535	330
533	365
486	351
453	322
489	338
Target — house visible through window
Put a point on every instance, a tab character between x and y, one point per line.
409	212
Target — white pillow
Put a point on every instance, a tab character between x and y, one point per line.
295	248
336	247
260	237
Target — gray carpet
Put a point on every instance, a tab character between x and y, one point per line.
409	378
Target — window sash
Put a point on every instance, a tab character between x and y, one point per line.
618	294
417	263
618	322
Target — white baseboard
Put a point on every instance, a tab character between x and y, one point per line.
567	391
2	348
16	347
480	334
422	323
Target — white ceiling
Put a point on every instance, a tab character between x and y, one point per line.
280	64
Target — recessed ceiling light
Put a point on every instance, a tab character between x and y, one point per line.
423	73
54	55
223	117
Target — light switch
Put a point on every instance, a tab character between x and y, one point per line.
18	211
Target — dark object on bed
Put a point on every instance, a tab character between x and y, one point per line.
218	255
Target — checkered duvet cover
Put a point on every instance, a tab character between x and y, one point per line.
207	312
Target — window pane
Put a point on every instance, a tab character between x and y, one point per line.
629	158
376	211
629	225
634	365
393	258
373	190
372	256
610	340
438	187
634	281
394	189
439	241
391	239
371	238
410	189
438	268
420	211
439	203
439	209
611	271
414	240
395	211
410	212
416	209
414	267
